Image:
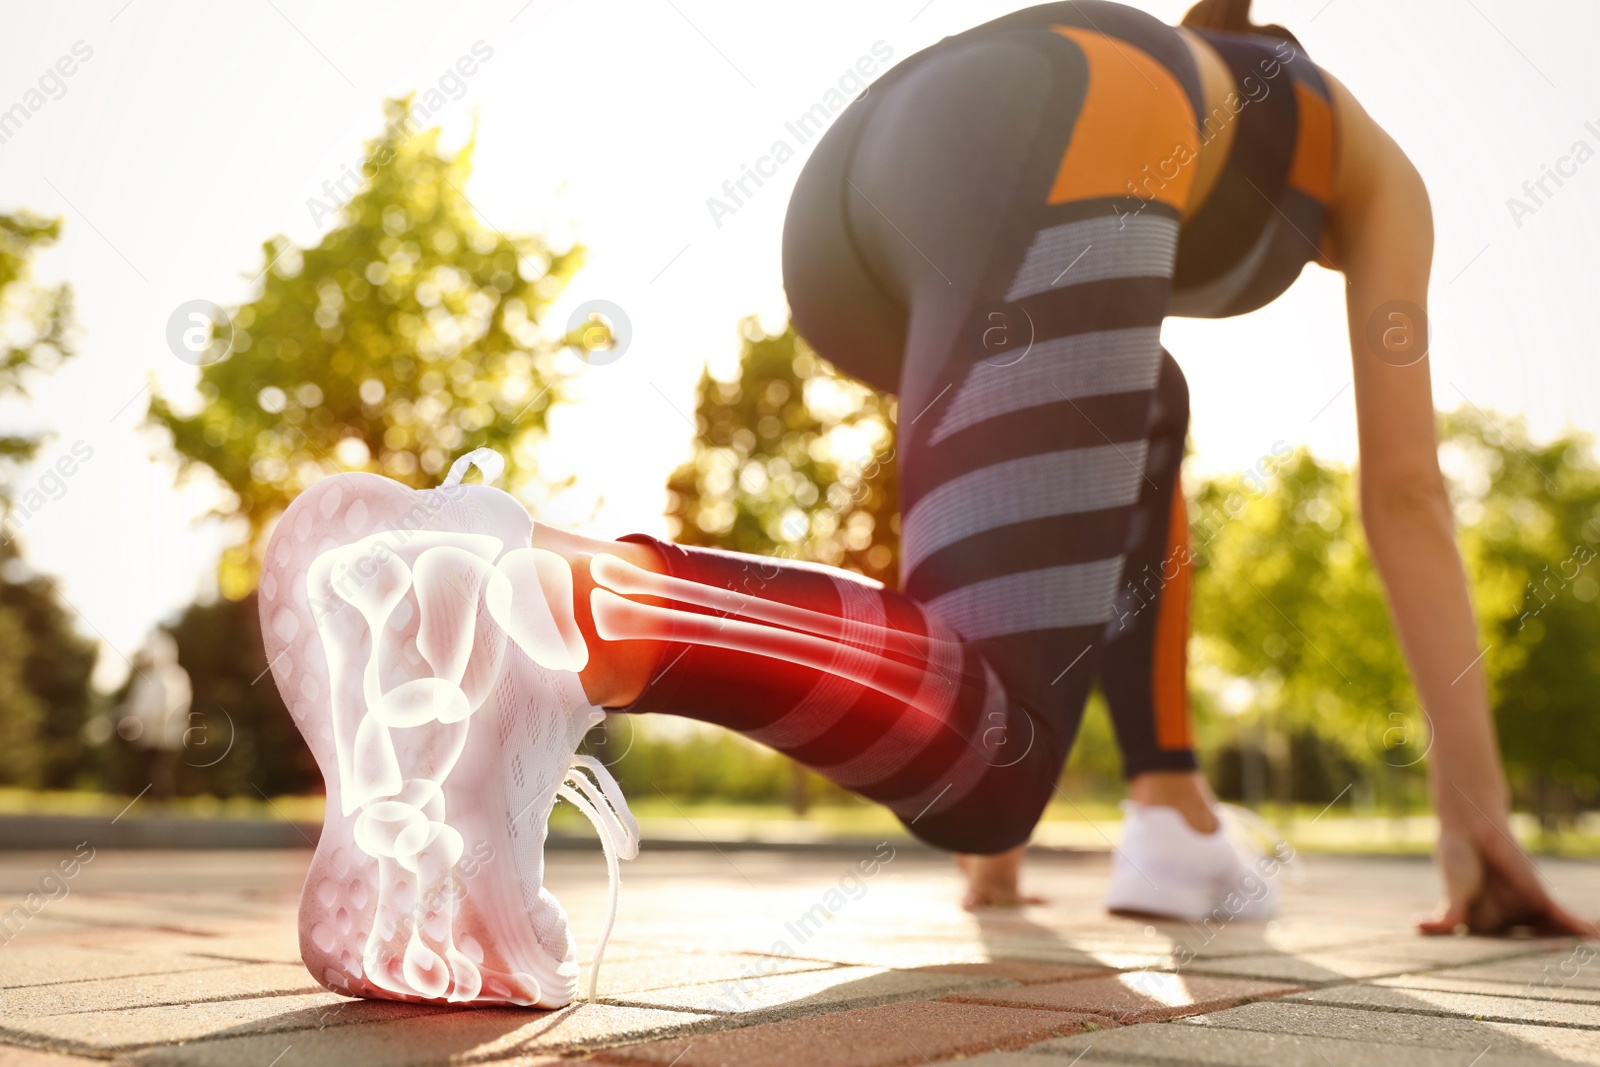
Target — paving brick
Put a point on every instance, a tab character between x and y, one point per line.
1309	969
161	913
278	946
622	977
1467	1005
1402	1028
105	972
1210	940
11	1056
1444	951
1171	1044
1022	1058
866	952
908	1033
1140	996
27	965
1019	971
498	1035
809	992
1569	967
928	951
1445	981
162	1023
49	928
1292	935
182	987
1102	956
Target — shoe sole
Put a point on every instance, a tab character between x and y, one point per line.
420	888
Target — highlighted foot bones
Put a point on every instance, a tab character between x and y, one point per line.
426	653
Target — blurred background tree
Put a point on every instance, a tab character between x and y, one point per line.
35	321
1531	519
791	458
1300	690
408	335
45	663
239	738
45	696
1299	680
1292	647
411	332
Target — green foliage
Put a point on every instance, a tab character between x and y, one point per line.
1290	621
42	723
1292	635
21	710
407	335
240	736
708	765
792	459
1094	766
44	663
1532	516
35	322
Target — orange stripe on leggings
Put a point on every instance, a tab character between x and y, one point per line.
1135	135
1170	686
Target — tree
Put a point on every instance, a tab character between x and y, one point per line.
44	663
1293	651
1287	601
1291	628
37	321
1532	531
55	700
792	459
410	333
239	738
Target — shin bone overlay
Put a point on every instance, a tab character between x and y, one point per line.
751	624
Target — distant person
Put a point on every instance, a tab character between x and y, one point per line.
155	715
995	232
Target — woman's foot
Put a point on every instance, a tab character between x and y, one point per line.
427	653
992	881
1185	792
1167	868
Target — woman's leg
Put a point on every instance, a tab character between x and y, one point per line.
1143	672
1021	467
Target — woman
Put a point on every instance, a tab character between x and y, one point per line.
994	232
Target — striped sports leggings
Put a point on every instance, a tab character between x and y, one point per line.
968	235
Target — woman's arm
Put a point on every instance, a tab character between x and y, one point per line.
1381	237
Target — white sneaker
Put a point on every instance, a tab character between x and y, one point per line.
1166	868
427	654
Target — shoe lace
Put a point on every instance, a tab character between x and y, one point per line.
601	801
490	464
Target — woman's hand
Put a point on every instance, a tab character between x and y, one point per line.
1491	886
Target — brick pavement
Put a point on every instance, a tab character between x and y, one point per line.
757	958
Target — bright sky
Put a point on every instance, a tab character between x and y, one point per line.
195	130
